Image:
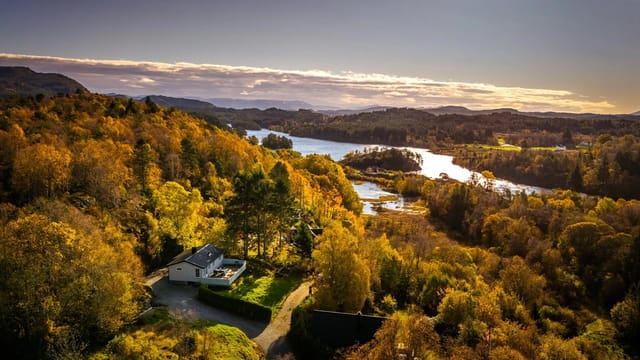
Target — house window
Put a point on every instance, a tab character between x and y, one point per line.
179	269
198	273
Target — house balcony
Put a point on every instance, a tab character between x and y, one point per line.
226	273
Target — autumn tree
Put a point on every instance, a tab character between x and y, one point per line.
343	276
579	245
626	315
410	336
178	212
58	280
518	279
553	347
332	182
11	142
99	168
41	170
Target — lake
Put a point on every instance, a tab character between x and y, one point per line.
433	165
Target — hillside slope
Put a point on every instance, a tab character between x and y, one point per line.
18	80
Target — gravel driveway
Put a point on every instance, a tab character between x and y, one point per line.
274	338
182	302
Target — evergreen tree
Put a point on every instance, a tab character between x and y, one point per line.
575	179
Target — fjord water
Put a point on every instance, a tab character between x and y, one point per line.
433	166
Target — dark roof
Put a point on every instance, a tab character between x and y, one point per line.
201	258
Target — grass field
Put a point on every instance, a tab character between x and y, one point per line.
506	147
264	290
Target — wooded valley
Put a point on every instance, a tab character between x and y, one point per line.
97	191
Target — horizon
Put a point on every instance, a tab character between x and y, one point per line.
192	81
573	56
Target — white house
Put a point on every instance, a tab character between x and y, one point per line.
205	265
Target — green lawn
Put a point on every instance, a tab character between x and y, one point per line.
493	147
264	290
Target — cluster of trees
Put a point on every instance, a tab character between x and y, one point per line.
383	158
610	166
261	207
96	190
275	142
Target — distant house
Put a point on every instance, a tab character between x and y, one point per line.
205	265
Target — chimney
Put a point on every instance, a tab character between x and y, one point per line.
194	250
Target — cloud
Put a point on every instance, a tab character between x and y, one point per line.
146	80
313	86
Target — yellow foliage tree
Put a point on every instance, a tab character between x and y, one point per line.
410	336
58	279
344	275
99	168
41	170
178	213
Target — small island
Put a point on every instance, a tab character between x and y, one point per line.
380	159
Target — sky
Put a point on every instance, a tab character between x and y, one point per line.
533	55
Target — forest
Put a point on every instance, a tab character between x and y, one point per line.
419	128
97	191
607	166
492	275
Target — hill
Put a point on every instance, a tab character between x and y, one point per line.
18	80
253	118
180	103
227	103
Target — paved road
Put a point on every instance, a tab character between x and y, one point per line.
182	303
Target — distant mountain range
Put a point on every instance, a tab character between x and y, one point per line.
19	80
192	105
260	104
229	103
340	112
